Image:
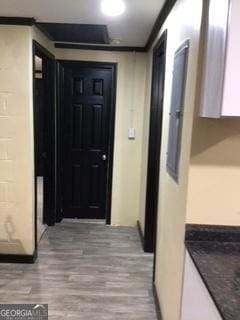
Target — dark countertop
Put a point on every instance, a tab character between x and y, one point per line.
218	263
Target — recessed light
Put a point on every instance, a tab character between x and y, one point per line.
113	7
115	41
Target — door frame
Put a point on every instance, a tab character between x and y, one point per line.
49	184
60	74
154	146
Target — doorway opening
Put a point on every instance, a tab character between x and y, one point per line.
86	93
44	138
154	149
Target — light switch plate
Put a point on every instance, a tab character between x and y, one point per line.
131	133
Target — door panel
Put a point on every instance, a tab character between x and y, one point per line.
154	147
40	127
78	126
86	138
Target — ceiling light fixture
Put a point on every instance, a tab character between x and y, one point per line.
113	7
116	41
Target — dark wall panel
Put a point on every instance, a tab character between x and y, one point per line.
78	33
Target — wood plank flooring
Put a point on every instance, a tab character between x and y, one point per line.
85	272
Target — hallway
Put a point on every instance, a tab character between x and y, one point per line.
85	272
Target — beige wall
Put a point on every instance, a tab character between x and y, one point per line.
16	134
127	153
183	23
214	174
16	138
126	191
16	141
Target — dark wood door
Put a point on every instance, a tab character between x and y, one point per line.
44	132
155	135
40	130
86	133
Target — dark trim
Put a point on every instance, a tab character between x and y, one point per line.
75	32
100	65
44	31
106	35
43	50
17	21
140	233
94	47
18	258
49	73
154	146
162	42
169	4
157	302
112	141
34	46
59	153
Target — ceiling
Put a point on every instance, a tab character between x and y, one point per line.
132	28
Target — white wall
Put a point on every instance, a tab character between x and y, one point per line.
126	194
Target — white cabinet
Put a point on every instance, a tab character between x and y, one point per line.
220	96
197	303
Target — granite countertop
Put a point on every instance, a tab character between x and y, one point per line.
216	254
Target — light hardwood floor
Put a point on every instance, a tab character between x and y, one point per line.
85	272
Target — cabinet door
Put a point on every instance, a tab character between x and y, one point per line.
197	303
231	93
215	42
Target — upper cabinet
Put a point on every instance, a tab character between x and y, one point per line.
220	95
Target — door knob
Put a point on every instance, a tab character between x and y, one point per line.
104	157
